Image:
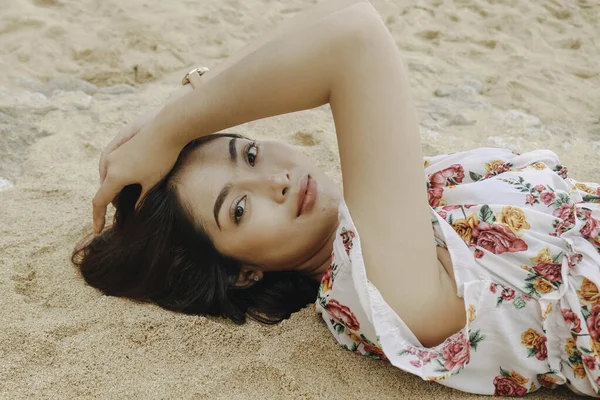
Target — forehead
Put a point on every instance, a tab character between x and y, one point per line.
203	175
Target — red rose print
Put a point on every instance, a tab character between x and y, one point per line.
343	314
530	199
493	287
574	260
347	236
374	350
434	196
498	170
507	294
452	175
415	363
455	351
540	188
589	362
547	197
478	253
525	297
564	212
572	318
507	387
593	322
542	351
497	238
443	214
567	214
426	356
591	228
550	272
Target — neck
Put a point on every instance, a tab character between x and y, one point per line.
317	265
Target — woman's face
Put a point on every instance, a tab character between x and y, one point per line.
245	195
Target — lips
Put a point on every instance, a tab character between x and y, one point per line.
307	195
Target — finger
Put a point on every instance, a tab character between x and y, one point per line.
142	196
107	192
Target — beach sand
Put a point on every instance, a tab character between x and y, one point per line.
516	74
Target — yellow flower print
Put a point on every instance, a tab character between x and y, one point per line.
471	314
589	291
464	227
542	286
442	203
595	345
525	267
585	188
438	378
514	218
352	335
543	256
570	346
533	387
538	165
579	371
492	165
547	381
547	311
426	163
529	337
517	378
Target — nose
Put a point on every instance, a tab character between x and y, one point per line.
279	185
275	185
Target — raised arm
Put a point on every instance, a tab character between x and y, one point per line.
348	59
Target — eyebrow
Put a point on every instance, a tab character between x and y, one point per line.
225	190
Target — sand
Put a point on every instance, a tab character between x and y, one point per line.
515	74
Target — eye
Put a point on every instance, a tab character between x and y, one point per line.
238	209
251	152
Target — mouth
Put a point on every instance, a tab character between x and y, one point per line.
307	195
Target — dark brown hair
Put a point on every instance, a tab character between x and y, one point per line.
157	253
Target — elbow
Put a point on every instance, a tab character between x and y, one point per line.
360	27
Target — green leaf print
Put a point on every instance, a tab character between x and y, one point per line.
475	338
440	369
403	352
339	328
585	312
575	358
486	214
519	303
531	351
591	198
475	176
504	373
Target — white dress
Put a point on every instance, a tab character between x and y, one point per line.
524	239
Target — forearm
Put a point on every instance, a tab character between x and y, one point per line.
290	73
286	26
306	17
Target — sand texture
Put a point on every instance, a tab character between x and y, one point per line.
500	73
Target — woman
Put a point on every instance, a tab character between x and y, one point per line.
485	280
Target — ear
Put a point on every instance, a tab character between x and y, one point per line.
246	277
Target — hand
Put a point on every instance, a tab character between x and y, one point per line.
124	135
133	128
143	159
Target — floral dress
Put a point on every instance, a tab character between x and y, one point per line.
524	239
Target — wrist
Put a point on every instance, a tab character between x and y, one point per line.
179	92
